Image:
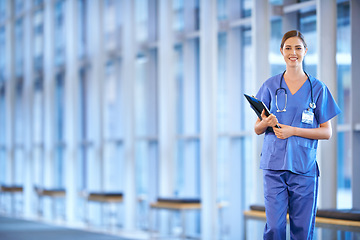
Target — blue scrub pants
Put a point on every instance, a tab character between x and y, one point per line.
286	191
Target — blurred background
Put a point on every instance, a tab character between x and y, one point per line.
145	98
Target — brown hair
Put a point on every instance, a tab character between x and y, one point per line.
290	34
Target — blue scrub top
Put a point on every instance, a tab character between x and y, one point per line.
296	154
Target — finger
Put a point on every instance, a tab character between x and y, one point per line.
263	114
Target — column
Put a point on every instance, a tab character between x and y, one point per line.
208	122
355	99
96	79
129	70
166	99
48	95
71	109
9	94
260	40
326	25
28	194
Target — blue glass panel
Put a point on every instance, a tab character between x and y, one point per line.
59	32
179	75
19	6
38	39
19	47
178	17
277	62
82	28
222	9
223	90
246	6
308	28
3	13
142	20
110	24
38	2
3	54
59	107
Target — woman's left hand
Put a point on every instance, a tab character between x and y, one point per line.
284	132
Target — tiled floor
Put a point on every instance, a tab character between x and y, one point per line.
19	229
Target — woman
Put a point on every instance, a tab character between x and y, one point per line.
302	107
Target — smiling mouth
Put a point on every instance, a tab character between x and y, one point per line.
293	58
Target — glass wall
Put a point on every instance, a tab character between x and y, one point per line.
100	116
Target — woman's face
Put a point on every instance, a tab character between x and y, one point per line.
293	52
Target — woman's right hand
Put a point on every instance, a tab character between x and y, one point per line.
262	125
270	120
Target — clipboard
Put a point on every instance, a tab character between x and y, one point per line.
258	106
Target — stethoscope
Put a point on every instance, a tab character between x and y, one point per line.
312	104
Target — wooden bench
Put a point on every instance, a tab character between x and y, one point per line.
12	190
53	193
178	204
110	198
343	220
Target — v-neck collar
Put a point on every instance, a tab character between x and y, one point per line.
292	94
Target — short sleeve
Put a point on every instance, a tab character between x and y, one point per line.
264	95
326	107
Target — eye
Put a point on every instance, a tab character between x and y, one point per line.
287	48
299	48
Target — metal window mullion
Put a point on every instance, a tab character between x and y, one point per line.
94	25
129	69
208	116
71	110
166	92
28	116
354	102
9	94
326	30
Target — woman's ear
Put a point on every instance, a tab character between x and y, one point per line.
281	50
305	51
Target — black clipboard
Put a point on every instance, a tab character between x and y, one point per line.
258	106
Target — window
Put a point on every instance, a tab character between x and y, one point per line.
18	170
59	32
307	27
113	122
142	20
3	54
82	28
187	155
38	36
3	10
2	136
111	25
178	17
38	131
59	131
19	48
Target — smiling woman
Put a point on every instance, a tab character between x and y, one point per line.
288	157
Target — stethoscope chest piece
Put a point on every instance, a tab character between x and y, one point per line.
312	105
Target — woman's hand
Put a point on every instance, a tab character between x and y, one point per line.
262	125
284	132
270	120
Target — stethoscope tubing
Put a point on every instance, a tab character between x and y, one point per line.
312	104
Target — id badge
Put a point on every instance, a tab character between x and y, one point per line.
307	117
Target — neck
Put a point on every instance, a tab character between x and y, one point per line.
294	72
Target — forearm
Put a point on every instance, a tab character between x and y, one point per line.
260	127
322	132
